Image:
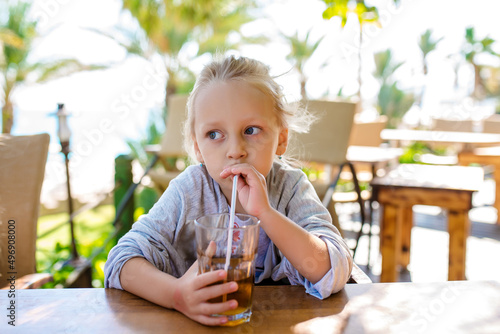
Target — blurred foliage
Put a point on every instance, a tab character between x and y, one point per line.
342	9
392	101
364	13
301	50
155	128
316	172
92	228
427	44
145	198
413	152
180	31
473	48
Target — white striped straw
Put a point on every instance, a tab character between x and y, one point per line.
231	223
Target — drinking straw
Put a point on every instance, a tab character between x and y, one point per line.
231	223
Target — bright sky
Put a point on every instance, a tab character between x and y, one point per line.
111	105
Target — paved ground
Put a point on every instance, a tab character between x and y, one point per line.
429	244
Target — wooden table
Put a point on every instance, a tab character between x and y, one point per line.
466	138
451	307
372	155
469	154
449	187
485	156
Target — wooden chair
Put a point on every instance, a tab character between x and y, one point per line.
327	143
492	124
367	133
441	124
22	170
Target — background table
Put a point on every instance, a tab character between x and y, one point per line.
449	187
466	138
451	307
485	156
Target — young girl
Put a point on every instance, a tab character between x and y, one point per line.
237	124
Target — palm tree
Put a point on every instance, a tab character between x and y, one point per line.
392	101
301	51
17	35
172	28
427	44
471	49
365	14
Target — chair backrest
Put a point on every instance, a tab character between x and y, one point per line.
367	133
492	124
328	138
172	141
22	169
440	124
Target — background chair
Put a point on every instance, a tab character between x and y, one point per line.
326	143
440	124
367	133
492	124
171	147
22	169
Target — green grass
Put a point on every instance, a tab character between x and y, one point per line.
91	230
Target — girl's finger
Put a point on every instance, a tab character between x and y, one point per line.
212	247
218	290
210	321
217	308
208	278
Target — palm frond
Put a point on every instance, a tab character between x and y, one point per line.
60	68
10	38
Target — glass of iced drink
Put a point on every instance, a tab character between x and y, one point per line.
245	237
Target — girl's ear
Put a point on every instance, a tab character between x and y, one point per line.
197	151
282	141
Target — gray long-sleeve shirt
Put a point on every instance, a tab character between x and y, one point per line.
166	238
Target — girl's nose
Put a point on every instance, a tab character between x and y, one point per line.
236	149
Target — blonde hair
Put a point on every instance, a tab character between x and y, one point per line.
251	71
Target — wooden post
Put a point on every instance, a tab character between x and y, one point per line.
458	228
407	224
391	243
123	181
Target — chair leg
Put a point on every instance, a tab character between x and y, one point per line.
331	188
370	219
361	204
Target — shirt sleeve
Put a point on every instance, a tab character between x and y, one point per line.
301	204
151	237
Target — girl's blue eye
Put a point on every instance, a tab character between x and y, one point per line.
253	130
214	135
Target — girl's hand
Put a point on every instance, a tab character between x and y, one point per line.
252	188
193	292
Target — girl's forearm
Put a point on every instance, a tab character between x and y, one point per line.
306	252
143	279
